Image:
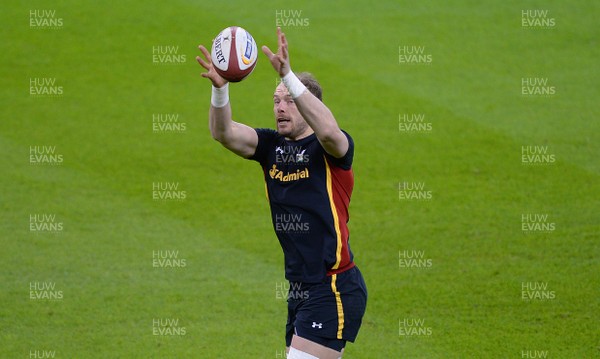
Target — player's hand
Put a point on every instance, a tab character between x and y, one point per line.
279	60
212	74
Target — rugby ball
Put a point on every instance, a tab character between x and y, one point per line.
234	54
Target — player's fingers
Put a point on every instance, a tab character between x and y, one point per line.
203	63
280	37
283	40
205	53
284	53
267	52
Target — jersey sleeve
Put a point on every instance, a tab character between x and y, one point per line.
345	162
266	136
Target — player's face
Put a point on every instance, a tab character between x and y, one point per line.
288	119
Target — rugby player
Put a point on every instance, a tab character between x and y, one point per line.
307	166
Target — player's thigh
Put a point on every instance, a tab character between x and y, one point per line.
315	349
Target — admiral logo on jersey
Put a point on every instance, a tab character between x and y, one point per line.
293	176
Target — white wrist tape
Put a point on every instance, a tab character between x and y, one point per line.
293	84
220	96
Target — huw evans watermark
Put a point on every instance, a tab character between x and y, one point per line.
167	122
291	155
167	259
536	291
413	259
291	223
42	354
537	155
414	55
45	19
167	55
45	222
44	155
413	123
291	18
45	87
537	19
413	191
167	327
537	222
414	327
290	290
534	354
537	87
168	191
44	291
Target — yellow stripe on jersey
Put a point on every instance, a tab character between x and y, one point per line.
336	221
340	308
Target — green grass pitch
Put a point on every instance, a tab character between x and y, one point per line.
475	214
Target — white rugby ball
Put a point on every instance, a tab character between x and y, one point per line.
234	54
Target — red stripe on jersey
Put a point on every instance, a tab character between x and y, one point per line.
342	184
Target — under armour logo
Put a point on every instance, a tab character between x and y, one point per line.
317	325
278	149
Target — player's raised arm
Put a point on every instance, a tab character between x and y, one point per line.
237	137
317	115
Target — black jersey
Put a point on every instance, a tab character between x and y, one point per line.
309	193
